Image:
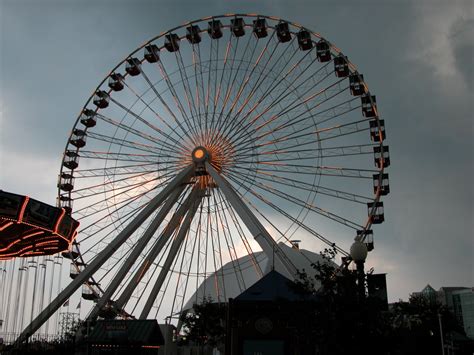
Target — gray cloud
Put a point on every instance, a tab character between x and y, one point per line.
462	41
54	53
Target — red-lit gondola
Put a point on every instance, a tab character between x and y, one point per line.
30	228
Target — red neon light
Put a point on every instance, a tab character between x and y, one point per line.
20	240
23	207
6	226
55	229
19	252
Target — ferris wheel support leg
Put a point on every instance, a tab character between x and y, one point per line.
139	247
156	249
103	256
172	254
260	234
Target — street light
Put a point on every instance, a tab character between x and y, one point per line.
441	333
358	253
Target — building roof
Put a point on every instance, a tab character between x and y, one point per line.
237	276
126	332
450	289
272	287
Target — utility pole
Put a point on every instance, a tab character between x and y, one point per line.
441	333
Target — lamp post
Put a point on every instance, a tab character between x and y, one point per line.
441	333
358	253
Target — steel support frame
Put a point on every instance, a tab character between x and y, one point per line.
170	193
173	252
260	234
105	254
137	250
156	249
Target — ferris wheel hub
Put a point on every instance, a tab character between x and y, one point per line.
200	154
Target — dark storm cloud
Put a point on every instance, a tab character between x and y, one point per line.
462	40
415	55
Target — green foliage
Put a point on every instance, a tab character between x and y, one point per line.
205	325
348	321
415	324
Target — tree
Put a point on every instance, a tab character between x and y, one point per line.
344	320
205	324
415	324
347	322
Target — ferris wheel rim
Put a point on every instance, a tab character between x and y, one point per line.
333	53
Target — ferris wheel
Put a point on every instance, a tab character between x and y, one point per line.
208	148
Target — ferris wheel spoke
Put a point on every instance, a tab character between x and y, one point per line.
212	83
101	206
138	133
289	108
262	77
217	286
219	246
181	256
322	73
151	275
232	49
130	144
128	157
212	91
199	258
198	83
172	226
177	101
231	246
218	82
139	246
331	113
139	118
302	185
242	88
100	190
260	234
308	206
319	135
93	206
232	124
187	89
128	169
160	98
284	154
125	203
305	186
232	77
190	261
246	77
299	223
288	152
231	86
160	118
164	290
275	227
177	243
283	236
106	182
242	236
317	169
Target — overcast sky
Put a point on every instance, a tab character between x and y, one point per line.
416	56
